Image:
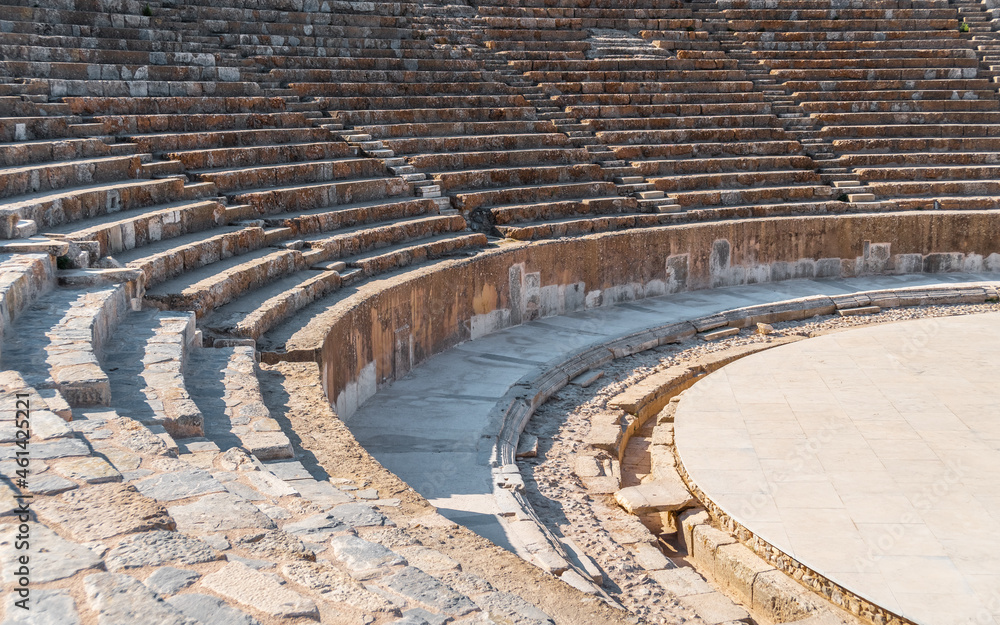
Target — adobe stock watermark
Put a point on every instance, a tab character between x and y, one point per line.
985	614
926	500
794	465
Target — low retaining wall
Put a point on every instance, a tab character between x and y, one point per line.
379	333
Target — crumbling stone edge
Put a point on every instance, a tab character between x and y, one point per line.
510	415
811	579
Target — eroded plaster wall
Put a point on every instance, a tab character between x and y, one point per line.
382	331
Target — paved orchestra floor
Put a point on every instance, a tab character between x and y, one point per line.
870	455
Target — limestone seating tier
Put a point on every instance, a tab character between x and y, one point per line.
160	261
60	207
862	94
317	195
60	87
170	142
587	224
82	71
146	123
818	60
23	279
248	274
466	164
146	358
896	106
170	258
194	160
578	85
102	56
255	313
470	201
276	175
375	89
36	152
114	233
420	130
37	177
57	343
430	63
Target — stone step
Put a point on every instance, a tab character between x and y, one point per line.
230	398
85	201
145	363
39	177
861	197
57	342
127	230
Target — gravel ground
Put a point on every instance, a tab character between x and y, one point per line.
561	424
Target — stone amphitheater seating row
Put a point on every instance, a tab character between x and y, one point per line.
682	124
216	172
175	461
923	101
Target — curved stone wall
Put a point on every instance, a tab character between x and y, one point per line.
388	326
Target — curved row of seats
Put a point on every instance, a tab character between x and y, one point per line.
353	139
915	126
217	172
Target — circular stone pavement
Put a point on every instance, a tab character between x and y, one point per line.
872	456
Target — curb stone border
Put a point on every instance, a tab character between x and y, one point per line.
510	415
807	577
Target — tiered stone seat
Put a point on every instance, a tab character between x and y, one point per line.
881	81
49	180
450	126
665	110
57	342
165	66
267	161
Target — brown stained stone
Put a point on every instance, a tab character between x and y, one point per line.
122	510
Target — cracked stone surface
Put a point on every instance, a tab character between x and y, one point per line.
157	548
413	583
274	545
124	510
168	580
208	609
361	555
359	515
219	511
179	485
249	587
123	600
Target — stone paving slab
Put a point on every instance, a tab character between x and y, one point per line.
869	456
